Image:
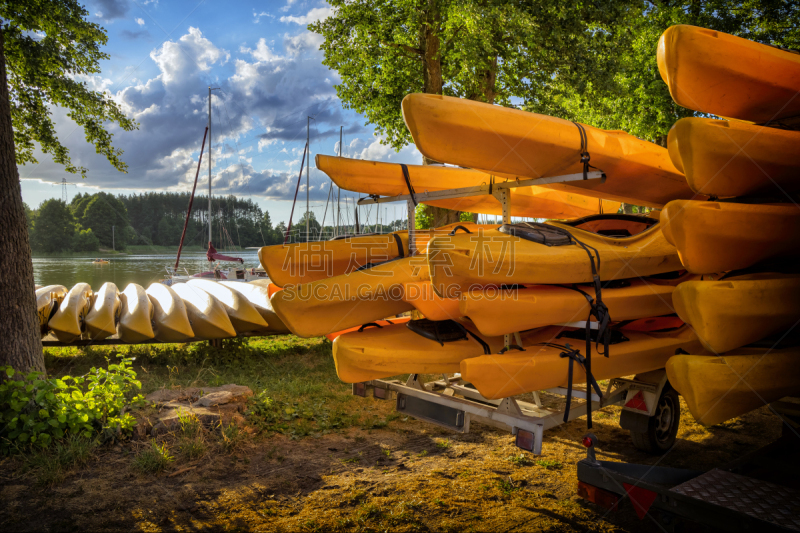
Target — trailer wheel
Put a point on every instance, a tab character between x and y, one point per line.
662	427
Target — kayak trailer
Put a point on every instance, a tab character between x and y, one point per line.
650	408
758	492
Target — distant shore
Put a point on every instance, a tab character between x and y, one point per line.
132	249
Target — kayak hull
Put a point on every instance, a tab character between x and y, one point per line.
330	305
716	237
720	74
376	353
421	295
136	313
68	322
243	315
542	367
725	159
257	292
387	179
514	144
170	318
461	262
47	301
101	321
207	315
731	313
717	389
497	311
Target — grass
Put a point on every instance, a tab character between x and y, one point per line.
49	465
153	459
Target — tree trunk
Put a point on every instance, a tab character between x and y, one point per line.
19	325
433	84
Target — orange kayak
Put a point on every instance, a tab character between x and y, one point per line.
305	262
386	179
723	158
629	246
717	73
497	311
421	295
511	143
719	236
542	367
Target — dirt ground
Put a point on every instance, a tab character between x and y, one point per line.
408	476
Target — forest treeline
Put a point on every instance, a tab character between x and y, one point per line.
90	222
102	220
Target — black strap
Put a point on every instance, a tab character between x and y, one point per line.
486	349
399	242
575	356
585	157
370	324
511	347
458	228
408	184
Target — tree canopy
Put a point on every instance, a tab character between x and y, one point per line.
488	50
50	52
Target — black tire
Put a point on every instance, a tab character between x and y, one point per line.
662	427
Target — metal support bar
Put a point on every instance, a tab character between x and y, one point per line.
412	220
481	190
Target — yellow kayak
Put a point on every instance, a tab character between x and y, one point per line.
136	314
497	311
101	321
511	143
292	264
717	389
501	258
330	305
376	353
244	316
170	318
206	314
541	366
421	295
387	179
715	236
722	158
257	293
731	313
719	74
47	301
68	321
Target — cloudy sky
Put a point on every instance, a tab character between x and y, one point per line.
164	56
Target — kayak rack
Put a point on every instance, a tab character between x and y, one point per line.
436	402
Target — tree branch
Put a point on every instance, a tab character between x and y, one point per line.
415	51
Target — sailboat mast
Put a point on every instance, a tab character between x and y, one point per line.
338	189
308	130
209	166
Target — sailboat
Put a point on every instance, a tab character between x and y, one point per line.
215	271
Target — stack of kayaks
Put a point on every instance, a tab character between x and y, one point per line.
749	315
197	310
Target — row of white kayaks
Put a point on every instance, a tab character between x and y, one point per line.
196	310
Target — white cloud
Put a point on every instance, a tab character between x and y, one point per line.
140	21
262	52
192	51
312	16
302	42
258	16
289	4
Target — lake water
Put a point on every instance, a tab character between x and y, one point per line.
123	269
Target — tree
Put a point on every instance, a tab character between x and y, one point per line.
488	50
47	48
54	228
633	97
107	217
85	241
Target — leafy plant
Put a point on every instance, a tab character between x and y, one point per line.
35	410
550	465
521	460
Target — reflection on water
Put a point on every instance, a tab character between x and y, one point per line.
123	269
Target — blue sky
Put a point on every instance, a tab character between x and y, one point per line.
163	57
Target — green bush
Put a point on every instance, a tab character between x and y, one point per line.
35	410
